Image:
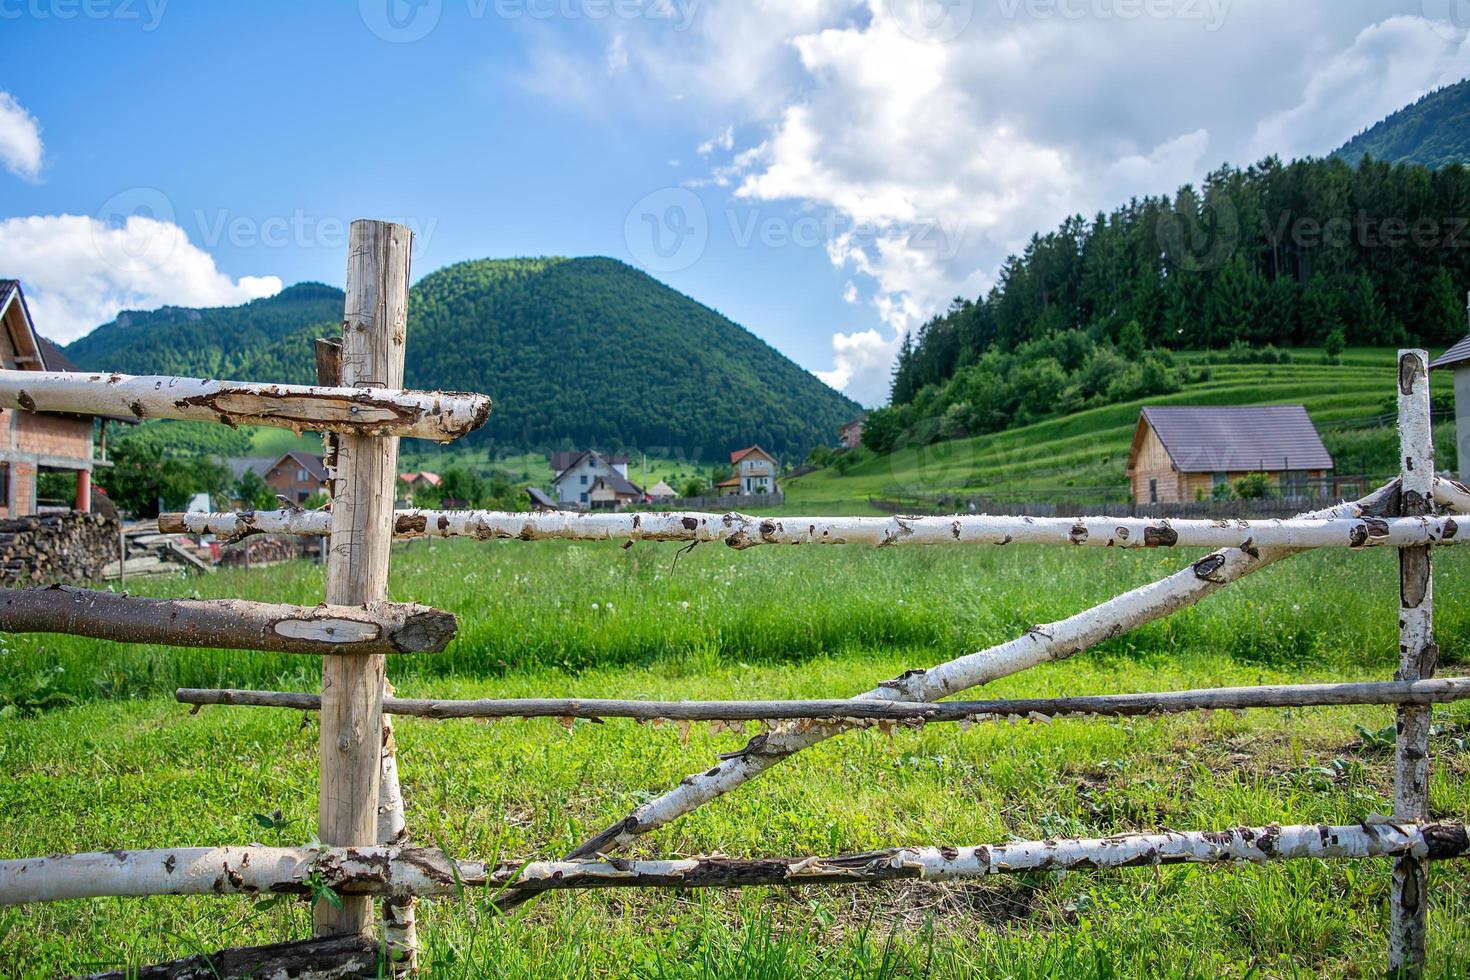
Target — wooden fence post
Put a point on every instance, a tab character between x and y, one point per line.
373	328
1417	656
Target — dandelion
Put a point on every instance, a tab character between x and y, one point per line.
594	607
684	604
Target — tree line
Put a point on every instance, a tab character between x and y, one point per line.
1312	253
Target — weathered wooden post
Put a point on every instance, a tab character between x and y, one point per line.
1417	656
373	328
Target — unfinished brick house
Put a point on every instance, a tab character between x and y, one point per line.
32	443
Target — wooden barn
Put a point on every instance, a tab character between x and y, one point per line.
36	442
1181	453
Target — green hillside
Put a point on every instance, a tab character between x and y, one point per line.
574	352
1083	456
1434	131
210	343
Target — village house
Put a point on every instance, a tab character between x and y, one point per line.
579	473
755	472
297	476
1456	360
37	442
612	491
1182	453
412	483
661	493
851	434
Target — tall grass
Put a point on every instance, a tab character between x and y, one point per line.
576	606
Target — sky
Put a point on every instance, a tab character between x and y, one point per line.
827	173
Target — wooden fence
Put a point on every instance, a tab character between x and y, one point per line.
365	851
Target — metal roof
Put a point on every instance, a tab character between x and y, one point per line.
1237	438
1458	354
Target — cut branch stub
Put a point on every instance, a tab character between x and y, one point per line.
230	624
439	415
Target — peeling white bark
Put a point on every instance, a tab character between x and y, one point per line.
1409	899
439	415
740	531
1452	495
1440	691
231	624
1040	644
400	929
429	872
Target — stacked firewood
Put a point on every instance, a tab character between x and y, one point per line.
59	547
260	549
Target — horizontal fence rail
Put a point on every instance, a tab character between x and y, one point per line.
741	531
231	624
430	872
439	415
1440	691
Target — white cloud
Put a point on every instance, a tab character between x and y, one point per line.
724	140
1388	66
863	361
21	149
78	272
932	162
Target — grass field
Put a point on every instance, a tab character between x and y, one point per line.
1068	456
113	762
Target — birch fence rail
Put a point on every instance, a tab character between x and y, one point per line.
365	851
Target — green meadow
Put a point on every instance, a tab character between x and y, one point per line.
1084	455
95	754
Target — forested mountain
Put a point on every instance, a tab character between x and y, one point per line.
1434	131
213	342
1310	253
574	352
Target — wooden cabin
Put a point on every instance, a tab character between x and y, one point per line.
35	442
1181	453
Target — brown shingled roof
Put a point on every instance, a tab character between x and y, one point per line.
1237	438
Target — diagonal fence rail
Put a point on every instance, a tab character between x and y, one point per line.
365	852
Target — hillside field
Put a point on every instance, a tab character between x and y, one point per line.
94	754
1084	456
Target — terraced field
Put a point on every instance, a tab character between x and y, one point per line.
1083	456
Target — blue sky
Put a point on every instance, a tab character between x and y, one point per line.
825	172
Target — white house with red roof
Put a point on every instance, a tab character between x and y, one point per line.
755	472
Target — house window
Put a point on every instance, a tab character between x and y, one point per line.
584	496
4	484
583	478
1218	480
1153	491
302	476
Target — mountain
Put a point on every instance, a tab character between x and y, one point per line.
1434	131
574	352
209	342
